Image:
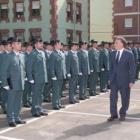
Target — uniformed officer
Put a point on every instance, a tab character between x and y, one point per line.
136	57
57	74
13	76
48	48
104	67
1	50
94	68
27	97
129	44
138	68
84	70
8	49
72	66
37	75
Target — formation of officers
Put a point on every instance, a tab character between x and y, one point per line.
33	72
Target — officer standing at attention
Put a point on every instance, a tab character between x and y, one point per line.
13	77
104	67
48	48
84	70
27	99
37	76
72	66
94	68
57	74
8	49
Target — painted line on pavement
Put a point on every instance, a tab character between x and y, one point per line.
9	138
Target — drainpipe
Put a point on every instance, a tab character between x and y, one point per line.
138	38
74	21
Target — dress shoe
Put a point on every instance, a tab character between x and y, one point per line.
87	97
106	90
36	115
43	113
72	102
4	112
92	94
61	106
20	122
112	118
63	96
56	108
12	124
76	101
82	98
122	118
27	106
76	93
97	93
47	101
102	91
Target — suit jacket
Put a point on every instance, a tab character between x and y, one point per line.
138	50
57	66
123	72
104	59
35	67
72	64
83	62
94	60
13	67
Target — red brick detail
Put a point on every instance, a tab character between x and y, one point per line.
78	32
80	6
4	31
14	11
71	11
4	19
39	18
53	20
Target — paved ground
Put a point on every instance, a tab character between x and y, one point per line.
84	121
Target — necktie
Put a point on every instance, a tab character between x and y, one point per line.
117	58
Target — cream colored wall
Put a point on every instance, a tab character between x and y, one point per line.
101	15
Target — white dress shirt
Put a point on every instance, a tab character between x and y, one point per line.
121	51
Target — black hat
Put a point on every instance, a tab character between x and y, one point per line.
93	41
54	42
2	43
14	39
70	44
134	43
36	40
46	43
82	43
26	44
110	43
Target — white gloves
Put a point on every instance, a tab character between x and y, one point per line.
102	69
54	78
92	71
7	87
80	73
26	79
32	81
69	75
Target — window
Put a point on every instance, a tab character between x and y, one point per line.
128	23
78	35
4	36
35	8
20	36
78	12
4	11
69	10
35	33
69	35
19	10
128	3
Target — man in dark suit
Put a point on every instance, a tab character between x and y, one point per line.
121	78
12	77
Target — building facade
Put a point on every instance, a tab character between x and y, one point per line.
49	19
101	20
127	19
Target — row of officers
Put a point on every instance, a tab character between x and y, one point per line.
29	73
